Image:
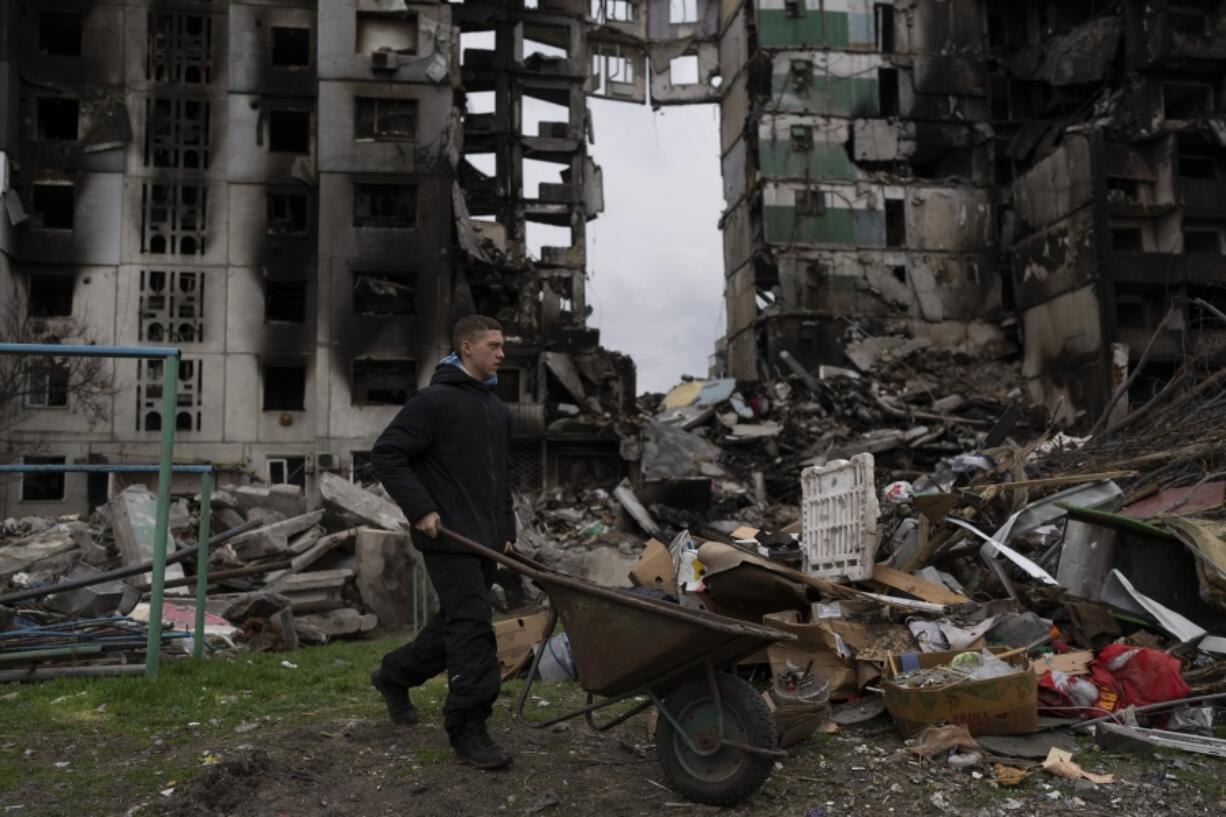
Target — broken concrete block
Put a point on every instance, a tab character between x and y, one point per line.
41	549
134	521
96	600
261	604
219	499
273	539
304	541
357	507
317	551
284	499
346	621
225	519
385	575
317	590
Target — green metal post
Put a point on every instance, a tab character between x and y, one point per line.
202	561
170	392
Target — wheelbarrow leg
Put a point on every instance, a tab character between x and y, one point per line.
536	665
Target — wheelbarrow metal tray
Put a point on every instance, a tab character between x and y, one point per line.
621	641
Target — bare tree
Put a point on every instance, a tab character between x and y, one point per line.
82	385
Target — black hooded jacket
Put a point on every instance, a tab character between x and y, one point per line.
448	450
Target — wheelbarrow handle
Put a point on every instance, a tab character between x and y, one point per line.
516	562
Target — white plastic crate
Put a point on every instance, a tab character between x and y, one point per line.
839	519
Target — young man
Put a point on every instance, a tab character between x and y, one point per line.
444	459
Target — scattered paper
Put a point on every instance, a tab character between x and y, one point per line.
1060	763
1009	775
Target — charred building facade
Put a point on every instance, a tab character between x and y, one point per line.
304	195
282	189
976	174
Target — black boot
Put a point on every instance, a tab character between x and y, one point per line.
399	708
474	746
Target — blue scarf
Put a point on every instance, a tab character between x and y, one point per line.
454	360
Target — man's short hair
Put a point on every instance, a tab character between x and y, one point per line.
470	327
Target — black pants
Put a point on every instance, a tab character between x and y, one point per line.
459	638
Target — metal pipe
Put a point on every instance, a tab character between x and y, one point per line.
100	468
233	573
161	528
1219	696
202	561
51	673
71	350
123	572
51	652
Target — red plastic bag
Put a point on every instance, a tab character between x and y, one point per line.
1138	675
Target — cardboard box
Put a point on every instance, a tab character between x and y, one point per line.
655	569
515	638
795	722
830	657
1008	705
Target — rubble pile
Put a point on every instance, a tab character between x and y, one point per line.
279	574
990	603
912	408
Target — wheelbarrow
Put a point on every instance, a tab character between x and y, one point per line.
715	737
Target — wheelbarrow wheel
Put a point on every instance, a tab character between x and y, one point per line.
729	775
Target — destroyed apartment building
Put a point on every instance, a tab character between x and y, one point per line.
284	192
979	175
302	196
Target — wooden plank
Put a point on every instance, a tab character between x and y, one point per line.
915	586
1069	479
1070	663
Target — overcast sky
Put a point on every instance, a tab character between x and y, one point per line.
655	256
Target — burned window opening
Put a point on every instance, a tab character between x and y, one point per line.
50	294
284	388
1127	239
383	293
177	133
287	471
287	213
44	487
386	31
289	131
1202	240
59	33
887	91
179	49
171	307
1125	191
52	206
385	119
384	205
612	11
285	301
1184	101
794	9
58	118
360	468
1197	167
895	223
883	16
291	47
383	382
173	219
47	385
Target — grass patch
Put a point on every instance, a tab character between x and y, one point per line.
128	737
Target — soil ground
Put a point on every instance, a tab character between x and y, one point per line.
248	735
